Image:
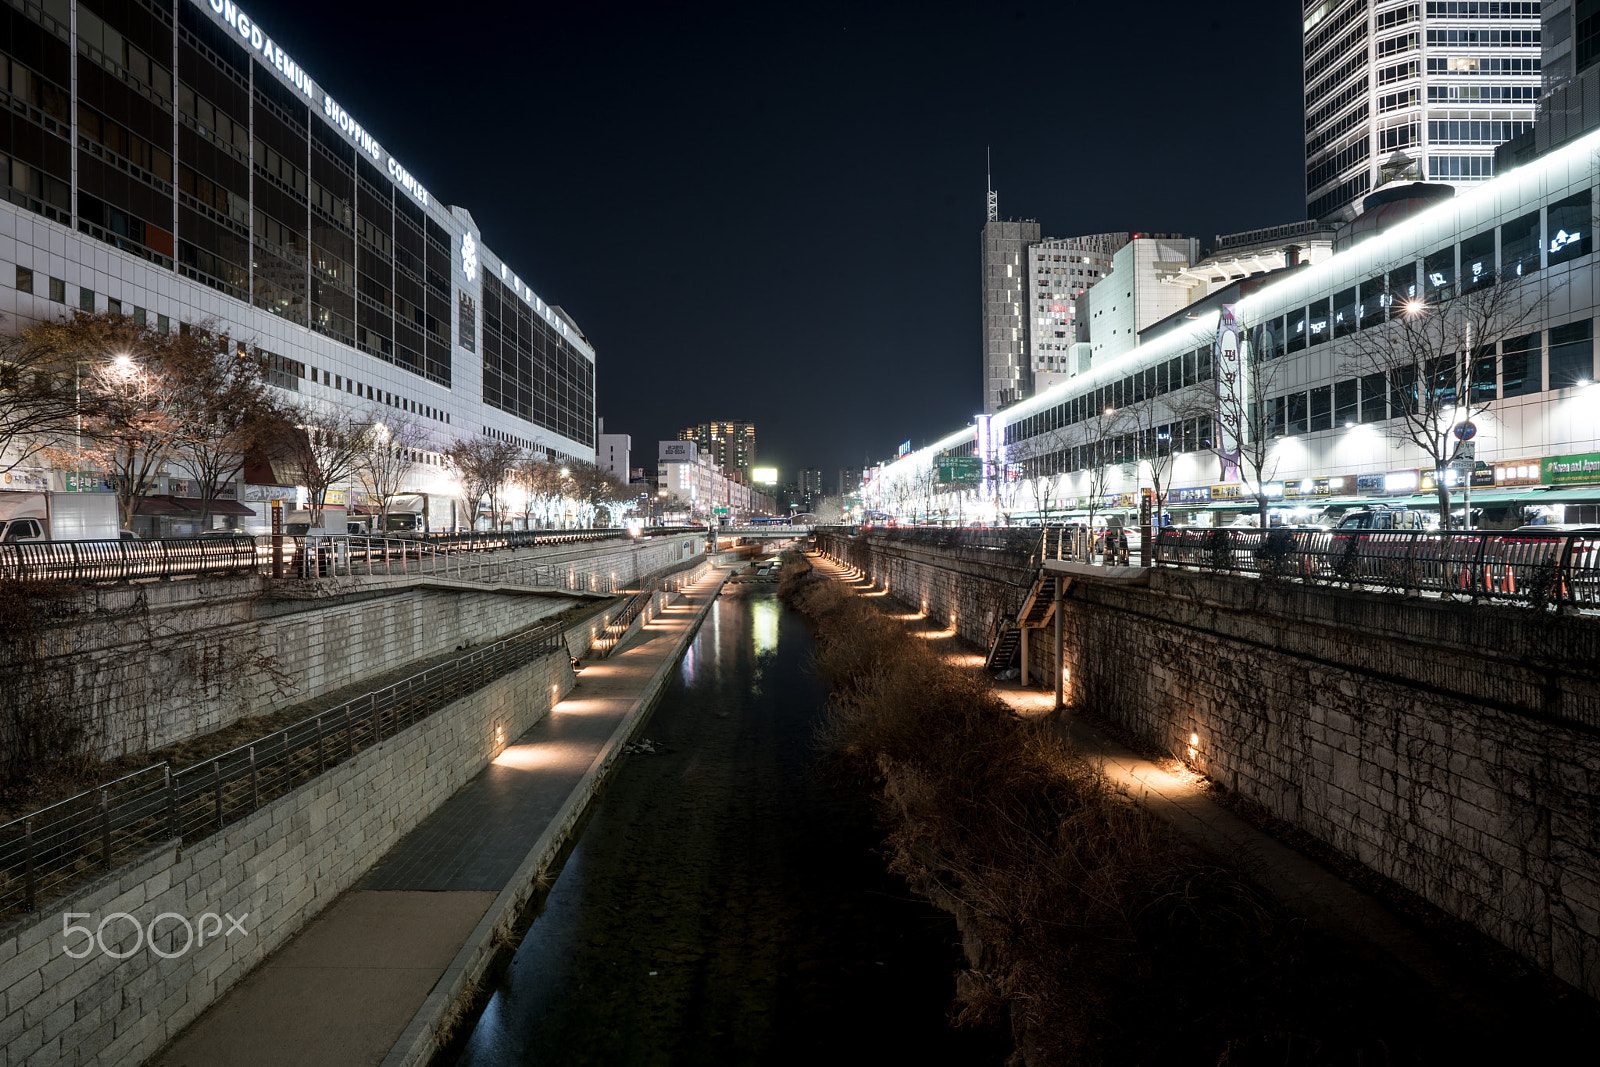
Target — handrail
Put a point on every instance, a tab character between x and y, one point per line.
189	557
1521	567
113	824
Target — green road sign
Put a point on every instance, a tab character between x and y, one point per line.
960	470
720	511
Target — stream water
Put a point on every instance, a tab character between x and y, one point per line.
726	902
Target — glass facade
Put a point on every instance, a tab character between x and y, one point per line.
203	149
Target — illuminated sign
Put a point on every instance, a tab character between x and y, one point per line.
764	475
250	33
1231	491
258	42
1400	482
1200	495
1564	470
1562	239
1520	472
677	452
469	256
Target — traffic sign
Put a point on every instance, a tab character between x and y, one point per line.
1466	431
1465	457
720	511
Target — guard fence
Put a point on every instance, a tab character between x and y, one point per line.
45	852
652	598
297	556
1560	569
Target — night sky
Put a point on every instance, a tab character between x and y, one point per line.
772	212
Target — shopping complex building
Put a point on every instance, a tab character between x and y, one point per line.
1332	422
168	160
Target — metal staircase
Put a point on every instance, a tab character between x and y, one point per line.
1038	609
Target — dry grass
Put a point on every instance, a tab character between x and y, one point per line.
1100	936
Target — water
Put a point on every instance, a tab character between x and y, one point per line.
726	902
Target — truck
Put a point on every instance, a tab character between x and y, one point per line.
60	517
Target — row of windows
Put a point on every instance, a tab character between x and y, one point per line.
1345	124
1485	9
1406	42
1518	369
1398	72
1491	38
1191	368
1435	277
1187	435
1356	90
1338	163
1356	62
1483	132
1316	41
1477	167
1396	101
1337	197
1482	65
56	290
1483	94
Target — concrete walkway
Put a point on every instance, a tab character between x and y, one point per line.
1177	795
347	989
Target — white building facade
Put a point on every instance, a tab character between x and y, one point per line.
1537	442
1412	90
178	166
1061	270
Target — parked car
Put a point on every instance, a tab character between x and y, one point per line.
1382	518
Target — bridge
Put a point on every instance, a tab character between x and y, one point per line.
1427	705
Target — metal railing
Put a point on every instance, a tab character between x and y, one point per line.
94	561
1523	567
43	853
617	625
300	555
345	556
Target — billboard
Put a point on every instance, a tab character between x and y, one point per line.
764	475
677	452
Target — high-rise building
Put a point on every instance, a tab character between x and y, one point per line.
1569	62
731	445
1006	368
1408	91
811	488
1060	271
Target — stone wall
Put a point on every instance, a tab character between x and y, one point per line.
277	869
149	664
1451	747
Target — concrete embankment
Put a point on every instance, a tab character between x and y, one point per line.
380	975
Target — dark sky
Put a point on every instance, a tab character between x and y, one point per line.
772	211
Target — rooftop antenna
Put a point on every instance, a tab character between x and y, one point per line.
994	199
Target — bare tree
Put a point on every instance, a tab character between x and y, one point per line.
151	398
325	445
1151	429
387	461
483	465
227	408
1437	361
41	399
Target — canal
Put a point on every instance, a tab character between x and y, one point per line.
726	902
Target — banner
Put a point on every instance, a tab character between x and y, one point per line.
1227	367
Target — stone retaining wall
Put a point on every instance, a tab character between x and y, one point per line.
149	664
279	867
1451	747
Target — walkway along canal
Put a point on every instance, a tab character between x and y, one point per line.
726	902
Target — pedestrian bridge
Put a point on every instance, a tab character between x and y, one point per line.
785	531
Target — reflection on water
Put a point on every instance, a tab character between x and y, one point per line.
727	902
764	623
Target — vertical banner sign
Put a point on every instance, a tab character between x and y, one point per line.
1228	372
277	538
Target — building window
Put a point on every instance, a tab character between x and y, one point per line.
163	324
1572	355
1519	366
1569	226
467	324
114	306
86	299
24	280
58	290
